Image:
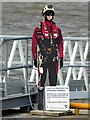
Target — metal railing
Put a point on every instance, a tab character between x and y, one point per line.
75	60
9	57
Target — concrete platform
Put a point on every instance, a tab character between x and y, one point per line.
50	113
17	115
34	117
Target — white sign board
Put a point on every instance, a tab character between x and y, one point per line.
57	98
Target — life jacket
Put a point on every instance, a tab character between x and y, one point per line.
48	42
54	31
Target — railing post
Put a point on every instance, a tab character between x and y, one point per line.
9	63
70	55
83	63
71	63
21	52
6	59
26	69
85	56
60	77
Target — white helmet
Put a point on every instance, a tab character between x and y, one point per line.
48	8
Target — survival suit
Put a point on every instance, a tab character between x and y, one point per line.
50	41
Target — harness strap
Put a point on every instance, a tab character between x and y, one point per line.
46	46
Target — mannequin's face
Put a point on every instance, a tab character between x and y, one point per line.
49	17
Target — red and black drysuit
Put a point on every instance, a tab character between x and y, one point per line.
50	41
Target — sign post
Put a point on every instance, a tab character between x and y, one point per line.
57	98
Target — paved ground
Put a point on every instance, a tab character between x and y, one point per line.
16	115
30	117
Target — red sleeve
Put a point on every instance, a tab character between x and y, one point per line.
60	48
34	45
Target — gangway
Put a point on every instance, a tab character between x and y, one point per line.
19	78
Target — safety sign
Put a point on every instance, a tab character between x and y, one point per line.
57	98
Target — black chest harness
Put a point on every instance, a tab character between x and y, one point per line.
48	44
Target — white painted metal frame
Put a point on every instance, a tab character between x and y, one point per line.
16	44
83	56
80	44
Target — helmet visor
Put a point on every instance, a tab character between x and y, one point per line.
49	13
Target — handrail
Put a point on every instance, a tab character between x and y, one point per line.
18	67
77	106
18	37
76	38
14	36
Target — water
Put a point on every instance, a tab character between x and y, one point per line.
22	17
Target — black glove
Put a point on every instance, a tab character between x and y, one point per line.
61	63
35	63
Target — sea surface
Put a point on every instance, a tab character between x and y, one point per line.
21	18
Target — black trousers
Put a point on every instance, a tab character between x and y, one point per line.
51	67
